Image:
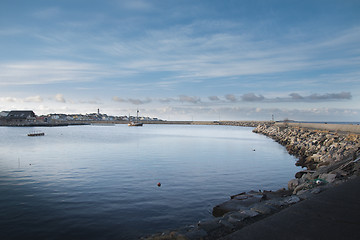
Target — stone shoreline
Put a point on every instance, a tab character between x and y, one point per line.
329	158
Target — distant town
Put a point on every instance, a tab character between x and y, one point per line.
29	118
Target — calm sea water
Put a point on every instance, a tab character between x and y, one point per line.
100	182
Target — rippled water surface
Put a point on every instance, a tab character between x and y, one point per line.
100	182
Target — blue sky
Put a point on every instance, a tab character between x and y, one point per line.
183	60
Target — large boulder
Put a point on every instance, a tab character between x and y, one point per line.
293	183
328	177
237	203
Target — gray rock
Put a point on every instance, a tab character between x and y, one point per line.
316	190
339	173
299	174
275	203
304	194
301	187
236	217
262	208
228	206
226	224
237	203
304	172
196	234
328	177
268	195
291	200
316	157
209	226
302	191
293	183
249	213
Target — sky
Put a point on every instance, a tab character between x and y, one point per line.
184	59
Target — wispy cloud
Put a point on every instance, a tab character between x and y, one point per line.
34	99
31	99
315	97
132	100
60	98
248	97
189	99
231	97
181	52
92	101
179	99
139	101
322	97
167	100
8	99
45	72
119	99
214	98
293	97
251	97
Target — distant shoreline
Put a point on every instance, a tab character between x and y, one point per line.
70	123
351	127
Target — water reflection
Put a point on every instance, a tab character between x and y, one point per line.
84	181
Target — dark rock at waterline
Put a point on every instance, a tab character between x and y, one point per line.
235	204
301	173
243	201
263	208
210	225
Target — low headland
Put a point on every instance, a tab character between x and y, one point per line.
329	155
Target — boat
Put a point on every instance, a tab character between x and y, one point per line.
36	134
136	123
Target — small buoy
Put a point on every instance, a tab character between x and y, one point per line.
159	184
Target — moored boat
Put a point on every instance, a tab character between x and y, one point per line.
135	123
35	134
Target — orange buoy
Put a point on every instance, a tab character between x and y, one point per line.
159	184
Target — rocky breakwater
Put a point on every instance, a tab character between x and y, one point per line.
314	148
328	158
243	123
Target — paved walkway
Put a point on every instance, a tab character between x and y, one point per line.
333	214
